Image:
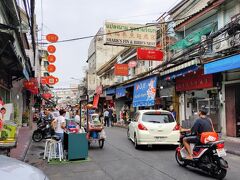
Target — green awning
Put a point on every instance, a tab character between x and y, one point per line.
192	38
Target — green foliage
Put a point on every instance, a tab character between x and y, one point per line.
16	115
25	117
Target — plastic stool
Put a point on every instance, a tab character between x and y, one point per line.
51	148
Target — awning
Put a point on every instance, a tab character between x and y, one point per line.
192	38
221	65
120	92
110	91
145	92
179	70
11	63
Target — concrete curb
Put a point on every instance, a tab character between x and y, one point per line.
237	153
23	158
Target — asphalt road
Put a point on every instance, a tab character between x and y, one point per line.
119	160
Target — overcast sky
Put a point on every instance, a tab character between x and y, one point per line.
77	18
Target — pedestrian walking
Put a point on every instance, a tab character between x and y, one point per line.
106	118
110	115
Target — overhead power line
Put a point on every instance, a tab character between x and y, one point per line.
131	29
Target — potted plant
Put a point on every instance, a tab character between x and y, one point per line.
25	119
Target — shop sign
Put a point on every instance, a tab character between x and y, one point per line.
52	38
99	90
121	70
51	58
194	81
145	92
120	92
95	101
149	54
132	64
129	35
43	80
51	49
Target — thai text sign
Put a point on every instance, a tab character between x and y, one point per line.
121	70
95	101
144	92
193	81
149	54
129	35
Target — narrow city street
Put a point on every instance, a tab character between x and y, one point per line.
119	160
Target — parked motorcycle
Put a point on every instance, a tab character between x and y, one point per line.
42	132
207	157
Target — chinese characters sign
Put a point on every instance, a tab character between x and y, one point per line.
129	35
121	70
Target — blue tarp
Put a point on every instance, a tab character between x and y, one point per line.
110	91
180	72
144	92
221	65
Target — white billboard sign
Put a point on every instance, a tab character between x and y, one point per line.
119	34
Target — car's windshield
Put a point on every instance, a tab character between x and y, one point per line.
157	118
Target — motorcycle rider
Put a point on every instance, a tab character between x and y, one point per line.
201	124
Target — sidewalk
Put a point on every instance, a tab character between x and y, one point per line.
232	145
23	143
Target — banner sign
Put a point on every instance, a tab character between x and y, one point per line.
145	92
193	81
99	90
129	35
95	101
120	92
121	70
149	54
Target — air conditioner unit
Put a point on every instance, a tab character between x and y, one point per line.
220	42
234	40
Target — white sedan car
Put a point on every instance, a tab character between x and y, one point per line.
153	127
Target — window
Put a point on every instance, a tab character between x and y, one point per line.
157	117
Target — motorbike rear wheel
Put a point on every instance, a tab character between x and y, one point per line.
220	174
37	136
179	159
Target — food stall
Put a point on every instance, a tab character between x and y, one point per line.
75	141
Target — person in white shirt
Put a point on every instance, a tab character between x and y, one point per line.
77	117
60	125
106	118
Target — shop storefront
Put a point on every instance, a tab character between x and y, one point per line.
124	103
197	90
230	68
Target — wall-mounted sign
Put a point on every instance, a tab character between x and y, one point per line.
95	101
51	68
149	54
136	35
52	38
51	58
132	64
121	70
193	81
51	49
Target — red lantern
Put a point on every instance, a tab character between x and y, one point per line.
51	58
51	49
51	68
51	80
52	38
47	95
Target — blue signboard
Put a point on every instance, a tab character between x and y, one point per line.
221	65
144	92
120	92
110	91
